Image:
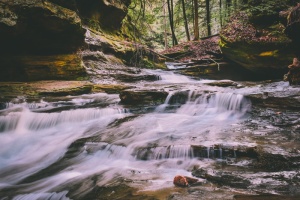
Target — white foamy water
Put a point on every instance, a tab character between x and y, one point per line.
32	141
154	146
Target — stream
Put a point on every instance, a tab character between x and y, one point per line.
242	139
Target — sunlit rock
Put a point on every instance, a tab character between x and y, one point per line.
184	181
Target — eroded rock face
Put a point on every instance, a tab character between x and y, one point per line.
108	13
264	51
254	38
293	31
41	39
38	27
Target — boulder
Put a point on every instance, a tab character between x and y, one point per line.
108	13
41	67
293	31
293	76
255	40
259	51
143	96
38	27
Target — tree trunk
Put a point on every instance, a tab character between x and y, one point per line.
170	9
208	17
228	7
165	25
185	21
220	13
196	23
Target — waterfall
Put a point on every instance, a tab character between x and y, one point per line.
220	105
26	120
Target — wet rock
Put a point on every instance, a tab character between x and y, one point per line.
223	83
143	96
184	181
135	77
110	88
264	197
223	178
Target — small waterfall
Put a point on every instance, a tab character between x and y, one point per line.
229	104
169	152
26	120
163	106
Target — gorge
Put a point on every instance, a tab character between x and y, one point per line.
88	113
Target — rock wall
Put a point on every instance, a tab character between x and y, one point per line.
293	31
42	39
254	38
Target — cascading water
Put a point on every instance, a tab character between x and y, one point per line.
69	149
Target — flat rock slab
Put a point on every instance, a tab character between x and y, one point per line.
37	88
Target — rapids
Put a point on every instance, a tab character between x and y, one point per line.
94	147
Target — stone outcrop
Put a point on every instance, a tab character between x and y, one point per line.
293	31
256	40
43	39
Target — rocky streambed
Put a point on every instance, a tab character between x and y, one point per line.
127	138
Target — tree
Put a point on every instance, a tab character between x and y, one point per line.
208	17
171	14
185	21
196	17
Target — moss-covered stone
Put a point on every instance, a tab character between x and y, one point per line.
268	58
33	67
42	88
39	27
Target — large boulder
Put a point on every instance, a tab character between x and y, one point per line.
107	14
43	39
255	39
38	27
293	31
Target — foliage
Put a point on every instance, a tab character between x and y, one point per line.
241	30
266	11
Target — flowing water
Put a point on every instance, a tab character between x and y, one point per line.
93	147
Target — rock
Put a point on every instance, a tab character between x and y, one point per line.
223	178
293	31
293	76
184	181
223	83
293	24
41	67
38	27
107	13
41	88
110	88
143	96
263	50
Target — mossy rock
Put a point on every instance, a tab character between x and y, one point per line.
42	88
50	67
267	58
